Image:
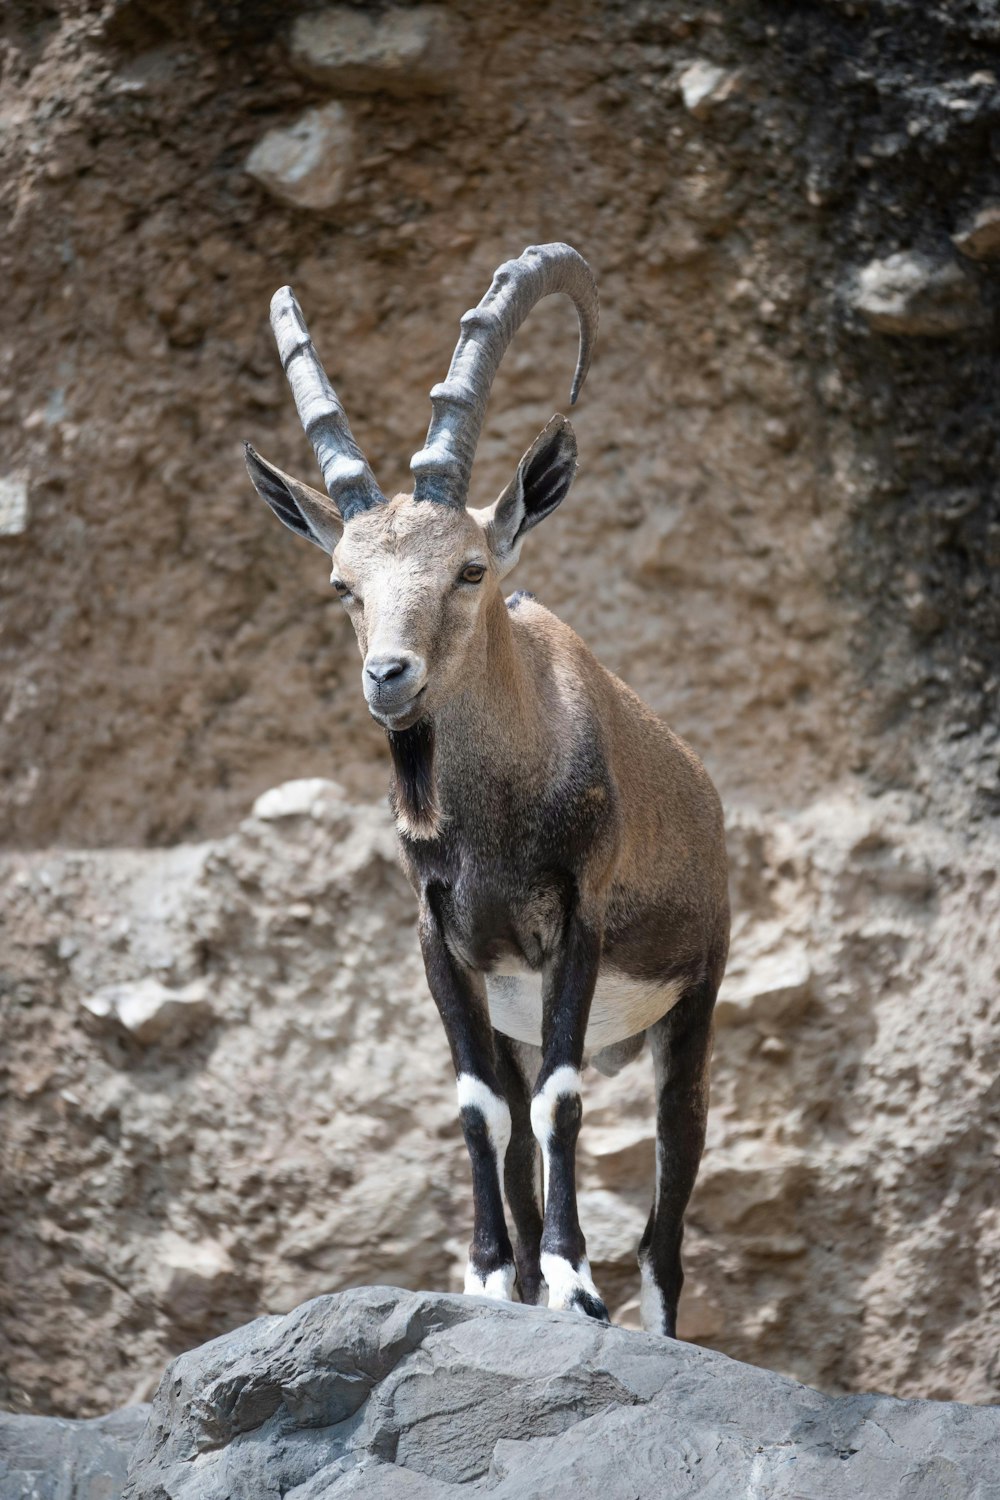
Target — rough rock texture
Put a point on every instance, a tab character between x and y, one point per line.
303	1138
398	52
909	293
46	1458
385	1393
785	534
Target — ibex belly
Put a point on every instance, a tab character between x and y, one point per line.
621	1006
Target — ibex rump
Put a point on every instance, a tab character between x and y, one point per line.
566	848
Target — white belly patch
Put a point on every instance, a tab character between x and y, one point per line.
621	1006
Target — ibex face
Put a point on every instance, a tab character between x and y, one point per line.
415	577
417	573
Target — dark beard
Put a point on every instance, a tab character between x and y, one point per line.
413	796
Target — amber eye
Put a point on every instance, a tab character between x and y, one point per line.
474	573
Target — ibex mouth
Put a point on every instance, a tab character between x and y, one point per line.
403	716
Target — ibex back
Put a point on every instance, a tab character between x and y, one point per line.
566	849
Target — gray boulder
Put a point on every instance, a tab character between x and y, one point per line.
385	1393
47	1458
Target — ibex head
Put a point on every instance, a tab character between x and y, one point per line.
419	573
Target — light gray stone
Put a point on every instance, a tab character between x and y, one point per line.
704	86
13	505
979	237
305	798
307	163
908	293
398	52
49	1458
383	1393
151	1012
188	1276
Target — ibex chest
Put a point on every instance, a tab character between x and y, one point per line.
509	936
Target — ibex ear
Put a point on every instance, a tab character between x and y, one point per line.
542	481
302	509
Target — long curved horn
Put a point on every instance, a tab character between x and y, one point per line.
349	481
443	466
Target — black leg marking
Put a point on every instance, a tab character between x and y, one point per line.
556	1112
461	1000
522	1171
681	1044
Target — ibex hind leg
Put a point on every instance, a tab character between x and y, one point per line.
517	1067
681	1044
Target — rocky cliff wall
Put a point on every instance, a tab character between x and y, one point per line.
784	534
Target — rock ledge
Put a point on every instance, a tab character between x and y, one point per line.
391	1393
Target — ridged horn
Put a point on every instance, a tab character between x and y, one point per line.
443	467
349	481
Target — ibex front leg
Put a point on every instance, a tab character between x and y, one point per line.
556	1113
460	997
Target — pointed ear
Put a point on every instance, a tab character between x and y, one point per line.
302	509
542	481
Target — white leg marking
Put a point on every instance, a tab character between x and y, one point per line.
562	1084
564	1282
474	1094
652	1310
498	1284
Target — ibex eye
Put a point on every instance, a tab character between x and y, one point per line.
341	588
474	573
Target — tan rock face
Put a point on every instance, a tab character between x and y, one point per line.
304	1138
225	1085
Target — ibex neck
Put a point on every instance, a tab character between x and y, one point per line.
495	722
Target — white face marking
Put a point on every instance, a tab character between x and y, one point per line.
563	1083
498	1284
563	1282
652	1311
621	1006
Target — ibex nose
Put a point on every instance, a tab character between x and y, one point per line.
381	668
392	681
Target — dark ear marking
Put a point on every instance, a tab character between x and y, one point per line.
543	478
547	471
296	505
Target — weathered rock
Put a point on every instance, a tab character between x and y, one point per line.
13	505
704	86
309	162
151	1012
188	1277
770	987
167	652
979	237
48	1458
398	52
308	1141
908	293
383	1393
310	797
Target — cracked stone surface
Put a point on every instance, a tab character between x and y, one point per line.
386	1393
50	1458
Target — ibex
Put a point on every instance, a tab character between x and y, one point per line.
566	849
